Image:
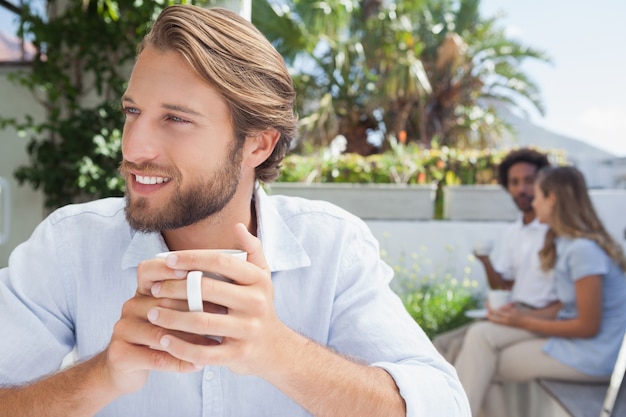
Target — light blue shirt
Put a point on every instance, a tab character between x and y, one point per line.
576	259
66	285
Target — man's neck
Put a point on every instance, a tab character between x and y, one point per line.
215	232
528	217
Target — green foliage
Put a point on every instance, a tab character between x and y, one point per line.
81	162
402	164
436	300
440	307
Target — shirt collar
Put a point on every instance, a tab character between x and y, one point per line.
142	246
534	224
282	249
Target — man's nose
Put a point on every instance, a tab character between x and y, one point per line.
139	141
527	188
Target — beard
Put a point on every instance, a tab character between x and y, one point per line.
202	198
524	202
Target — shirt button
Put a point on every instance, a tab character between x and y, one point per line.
208	375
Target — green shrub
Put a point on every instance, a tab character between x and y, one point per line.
436	300
439	307
402	164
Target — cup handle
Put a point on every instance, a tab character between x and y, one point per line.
5	226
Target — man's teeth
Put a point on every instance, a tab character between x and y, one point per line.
151	180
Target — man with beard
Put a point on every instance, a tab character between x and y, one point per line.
517	268
308	324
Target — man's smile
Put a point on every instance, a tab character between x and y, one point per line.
144	179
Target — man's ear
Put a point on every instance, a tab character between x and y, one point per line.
260	146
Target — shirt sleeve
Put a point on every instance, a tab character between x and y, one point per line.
371	323
586	258
36	331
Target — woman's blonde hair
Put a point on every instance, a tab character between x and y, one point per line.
573	214
230	54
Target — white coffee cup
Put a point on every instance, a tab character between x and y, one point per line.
194	282
498	298
194	278
482	247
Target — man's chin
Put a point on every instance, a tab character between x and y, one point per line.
139	215
524	206
526	210
141	222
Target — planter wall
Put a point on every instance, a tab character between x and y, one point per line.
26	204
368	201
478	202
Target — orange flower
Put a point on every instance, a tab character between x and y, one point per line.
402	137
421	178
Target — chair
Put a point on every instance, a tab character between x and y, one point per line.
587	399
617	377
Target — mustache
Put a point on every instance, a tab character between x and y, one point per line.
524	195
126	167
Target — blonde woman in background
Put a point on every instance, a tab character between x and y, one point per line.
582	341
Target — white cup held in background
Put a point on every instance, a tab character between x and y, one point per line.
482	247
498	298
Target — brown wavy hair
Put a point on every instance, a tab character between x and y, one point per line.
235	59
573	214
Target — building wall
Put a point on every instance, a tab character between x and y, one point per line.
26	206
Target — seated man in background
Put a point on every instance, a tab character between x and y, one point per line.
517	267
308	324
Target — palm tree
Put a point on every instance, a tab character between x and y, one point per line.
320	40
472	66
427	71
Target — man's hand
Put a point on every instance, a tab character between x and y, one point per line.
135	346
482	258
250	329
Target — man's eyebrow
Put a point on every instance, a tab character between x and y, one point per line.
173	107
182	109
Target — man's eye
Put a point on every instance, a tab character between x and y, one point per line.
177	119
130	110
